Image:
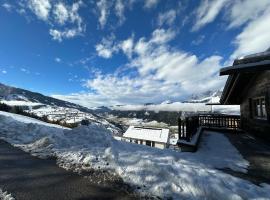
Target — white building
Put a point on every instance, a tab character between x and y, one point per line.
154	137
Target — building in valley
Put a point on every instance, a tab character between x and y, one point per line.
154	137
248	85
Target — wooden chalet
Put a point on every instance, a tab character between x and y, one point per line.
248	85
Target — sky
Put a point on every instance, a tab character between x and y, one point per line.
111	52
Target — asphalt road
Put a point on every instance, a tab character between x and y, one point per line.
30	178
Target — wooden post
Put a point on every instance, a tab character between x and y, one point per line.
179	128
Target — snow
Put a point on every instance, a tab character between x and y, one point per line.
143	133
20	103
165	173
15	117
5	195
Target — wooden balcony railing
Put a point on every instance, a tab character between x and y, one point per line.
188	127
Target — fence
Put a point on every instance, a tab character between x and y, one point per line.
188	127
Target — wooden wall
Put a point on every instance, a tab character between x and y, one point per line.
259	86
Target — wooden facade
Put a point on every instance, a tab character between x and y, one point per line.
259	88
248	85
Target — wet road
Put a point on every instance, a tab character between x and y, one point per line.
30	178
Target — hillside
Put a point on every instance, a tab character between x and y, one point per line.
16	96
54	109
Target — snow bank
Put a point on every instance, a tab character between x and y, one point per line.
165	173
5	195
25	119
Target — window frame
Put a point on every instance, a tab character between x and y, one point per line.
259	110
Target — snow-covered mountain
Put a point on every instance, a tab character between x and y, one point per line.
196	103
54	109
20	97
168	111
206	97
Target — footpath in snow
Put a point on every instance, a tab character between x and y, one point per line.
164	173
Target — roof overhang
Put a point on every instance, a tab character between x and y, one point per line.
240	76
245	68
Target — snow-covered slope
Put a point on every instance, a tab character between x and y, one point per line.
159	172
207	97
20	97
53	109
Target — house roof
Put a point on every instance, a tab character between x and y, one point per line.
147	133
241	74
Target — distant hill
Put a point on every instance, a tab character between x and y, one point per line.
21	97
54	109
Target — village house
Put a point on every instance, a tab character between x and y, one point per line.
248	85
154	137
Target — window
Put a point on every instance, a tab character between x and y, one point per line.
259	108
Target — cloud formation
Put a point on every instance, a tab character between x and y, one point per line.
207	12
161	73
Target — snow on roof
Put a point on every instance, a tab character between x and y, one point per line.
253	58
151	134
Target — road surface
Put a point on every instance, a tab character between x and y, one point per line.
30	178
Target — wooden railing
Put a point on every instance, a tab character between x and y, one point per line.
188	127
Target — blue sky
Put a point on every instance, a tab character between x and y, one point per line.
108	52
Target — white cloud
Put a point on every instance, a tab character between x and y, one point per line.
127	46
25	70
104	10
255	37
7	6
161	36
207	12
62	18
167	17
150	3
41	8
246	10
103	51
119	11
61	13
57	60
198	41
107	47
158	73
66	34
67	14
4	72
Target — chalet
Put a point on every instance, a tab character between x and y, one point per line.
154	137
248	85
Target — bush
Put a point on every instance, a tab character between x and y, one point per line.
5	107
85	122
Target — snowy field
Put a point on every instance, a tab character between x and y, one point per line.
164	173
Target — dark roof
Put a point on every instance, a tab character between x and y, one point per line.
240	74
